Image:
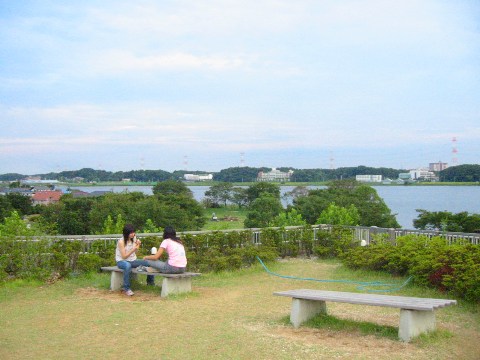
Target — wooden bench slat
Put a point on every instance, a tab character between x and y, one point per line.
172	283
135	271
416	314
402	302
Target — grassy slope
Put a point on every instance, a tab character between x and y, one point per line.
229	315
225	216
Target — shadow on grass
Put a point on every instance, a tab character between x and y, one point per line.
328	322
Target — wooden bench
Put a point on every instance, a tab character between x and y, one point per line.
416	314
172	283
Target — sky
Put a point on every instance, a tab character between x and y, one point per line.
209	85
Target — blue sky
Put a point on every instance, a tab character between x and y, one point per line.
208	85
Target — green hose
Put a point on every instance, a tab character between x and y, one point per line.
362	285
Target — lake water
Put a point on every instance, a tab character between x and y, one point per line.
402	200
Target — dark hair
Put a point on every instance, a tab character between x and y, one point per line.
170	233
127	230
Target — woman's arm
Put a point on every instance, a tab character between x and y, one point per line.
123	252
156	256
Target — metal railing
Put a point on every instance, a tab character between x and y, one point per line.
359	233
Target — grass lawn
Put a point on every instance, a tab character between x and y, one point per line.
228	218
231	315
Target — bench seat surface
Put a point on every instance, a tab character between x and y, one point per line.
135	271
403	302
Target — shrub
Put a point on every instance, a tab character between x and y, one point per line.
452	268
334	243
90	262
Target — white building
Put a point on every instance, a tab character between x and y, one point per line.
438	166
195	177
274	175
369	178
423	174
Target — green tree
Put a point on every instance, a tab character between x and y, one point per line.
20	202
239	196
447	221
220	193
338	215
372	209
467	173
256	190
262	211
5	207
238	174
288	218
73	218
183	212
296	192
13	225
108	226
150	227
171	187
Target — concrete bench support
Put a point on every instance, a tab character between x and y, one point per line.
414	323
176	286
171	284
303	310
417	315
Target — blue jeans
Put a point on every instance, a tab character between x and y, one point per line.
127	266
163	267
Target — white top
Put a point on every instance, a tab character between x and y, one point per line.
128	247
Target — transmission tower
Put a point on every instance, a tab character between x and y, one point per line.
332	161
242	159
454	151
142	163
185	162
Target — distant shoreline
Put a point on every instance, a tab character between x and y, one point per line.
210	183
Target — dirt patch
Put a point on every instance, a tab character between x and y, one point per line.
117	296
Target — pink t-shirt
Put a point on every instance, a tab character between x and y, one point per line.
176	253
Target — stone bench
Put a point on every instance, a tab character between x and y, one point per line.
172	283
416	314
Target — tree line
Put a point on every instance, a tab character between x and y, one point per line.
460	173
342	202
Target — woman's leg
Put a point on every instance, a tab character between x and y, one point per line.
157	264
137	263
163	267
127	269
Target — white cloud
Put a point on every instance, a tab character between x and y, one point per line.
117	61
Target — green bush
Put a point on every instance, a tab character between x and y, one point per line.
333	243
90	262
451	268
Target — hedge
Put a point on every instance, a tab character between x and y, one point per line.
433	262
450	268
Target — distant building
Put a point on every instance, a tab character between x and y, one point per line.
37	180
46	197
438	166
195	177
274	175
81	194
369	178
405	177
423	174
21	191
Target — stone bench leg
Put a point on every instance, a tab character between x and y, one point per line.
414	322
116	280
303	310
176	286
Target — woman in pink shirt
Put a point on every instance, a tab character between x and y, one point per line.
177	260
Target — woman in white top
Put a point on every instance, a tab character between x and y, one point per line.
177	260
126	257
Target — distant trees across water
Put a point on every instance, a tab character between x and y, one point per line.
460	173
